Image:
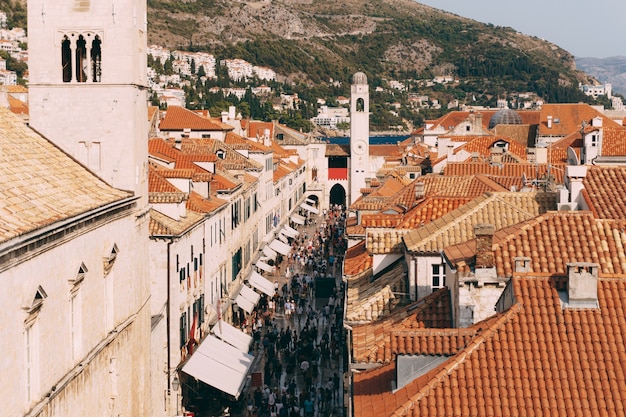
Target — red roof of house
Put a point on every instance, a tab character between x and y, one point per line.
179	118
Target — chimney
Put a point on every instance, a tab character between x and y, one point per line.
582	284
178	143
484	241
231	113
549	122
522	263
224	116
419	190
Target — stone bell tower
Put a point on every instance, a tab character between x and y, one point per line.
87	89
359	134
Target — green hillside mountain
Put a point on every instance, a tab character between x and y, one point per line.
312	42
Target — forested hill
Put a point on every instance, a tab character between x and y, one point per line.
314	41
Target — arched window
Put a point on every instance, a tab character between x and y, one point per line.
360	105
66	60
96	59
314	173
81	59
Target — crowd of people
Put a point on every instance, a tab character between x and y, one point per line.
298	336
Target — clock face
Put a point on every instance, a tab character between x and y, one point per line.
359	147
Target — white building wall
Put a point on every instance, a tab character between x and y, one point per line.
115	371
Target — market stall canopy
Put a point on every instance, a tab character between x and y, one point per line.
280	247
269	252
219	365
261	283
310	208
232	335
265	267
289	231
247	299
296	218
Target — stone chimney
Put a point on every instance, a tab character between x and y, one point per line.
484	241
419	190
522	263
582	285
549	122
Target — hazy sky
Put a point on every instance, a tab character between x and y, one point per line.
585	28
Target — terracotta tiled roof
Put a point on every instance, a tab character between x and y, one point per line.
281	171
614	141
41	185
357	260
333	149
239	142
178	118
557	151
379	220
482	146
500	209
160	190
506	169
355	230
537	359
372	342
18	106
383	240
257	129
605	192
15	89
161	225
567	118
202	205
385	150
369	299
551	241
431	209
383	195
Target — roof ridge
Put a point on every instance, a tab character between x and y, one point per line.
451	365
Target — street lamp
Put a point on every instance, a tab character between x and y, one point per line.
175	386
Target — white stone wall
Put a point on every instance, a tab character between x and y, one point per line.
114	370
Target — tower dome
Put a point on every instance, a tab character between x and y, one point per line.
359	78
505	116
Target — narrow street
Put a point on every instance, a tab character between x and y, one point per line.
298	334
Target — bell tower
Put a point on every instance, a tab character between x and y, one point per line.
87	89
359	134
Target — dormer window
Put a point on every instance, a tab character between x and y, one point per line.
110	260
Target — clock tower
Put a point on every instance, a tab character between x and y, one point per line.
359	135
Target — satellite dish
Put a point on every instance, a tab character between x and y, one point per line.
572	158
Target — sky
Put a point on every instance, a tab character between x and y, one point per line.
582	27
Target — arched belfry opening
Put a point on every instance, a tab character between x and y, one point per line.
337	195
66	59
81	57
360	104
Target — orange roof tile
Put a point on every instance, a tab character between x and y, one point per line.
605	192
178	118
357	260
531	171
536	358
567	118
614	141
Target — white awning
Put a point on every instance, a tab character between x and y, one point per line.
247	298
283	238
220	365
310	208
269	252
262	265
289	231
310	201
280	247
232	335
261	283
296	218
